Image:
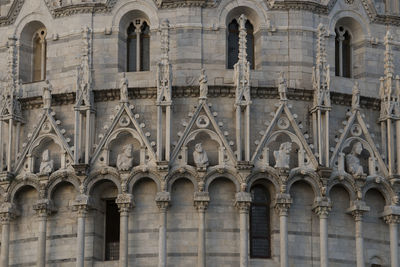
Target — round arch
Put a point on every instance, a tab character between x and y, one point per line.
107	174
383	187
228	174
309	177
346	182
269	175
62	176
354	21
15	187
177	175
135	177
146	9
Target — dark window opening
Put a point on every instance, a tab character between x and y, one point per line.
343	53
145	48
233	43
112	231
260	237
131	42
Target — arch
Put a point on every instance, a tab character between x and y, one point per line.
186	173
192	136
42	137
309	177
382	187
31	19
135	177
346	182
354	17
270	175
146	8
226	173
255	11
18	185
106	174
114	135
62	176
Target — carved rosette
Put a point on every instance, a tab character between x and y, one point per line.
125	203
282	204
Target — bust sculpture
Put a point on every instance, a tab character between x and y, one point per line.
200	156
125	159
46	166
282	156
353	165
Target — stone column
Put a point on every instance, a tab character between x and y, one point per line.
282	205
125	202
43	209
162	199
322	209
391	215
6	215
357	210
243	201
81	206
201	200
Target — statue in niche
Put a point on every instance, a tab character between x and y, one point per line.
125	159
123	85
46	166
282	87
200	156
282	156
203	84
47	95
353	164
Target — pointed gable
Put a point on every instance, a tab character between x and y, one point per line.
356	131
282	129
201	127
46	131
124	122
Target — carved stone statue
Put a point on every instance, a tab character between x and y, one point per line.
353	165
47	95
200	156
46	166
203	84
282	156
123	85
355	101
125	159
282	87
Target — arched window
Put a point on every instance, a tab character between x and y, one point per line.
260	237
233	43
138	46
39	55
343	52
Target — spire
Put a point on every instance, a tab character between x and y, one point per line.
10	106
84	92
242	67
389	66
321	71
164	72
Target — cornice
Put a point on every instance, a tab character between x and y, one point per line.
185	3
193	91
81	8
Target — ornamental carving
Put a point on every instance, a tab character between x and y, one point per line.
125	159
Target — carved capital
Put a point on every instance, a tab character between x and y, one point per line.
81	205
243	201
322	207
8	212
391	214
282	204
357	209
201	206
43	207
125	202
162	200
201	200
392	219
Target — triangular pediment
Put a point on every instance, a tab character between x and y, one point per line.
368	160
47	135
283	132
203	128
124	129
